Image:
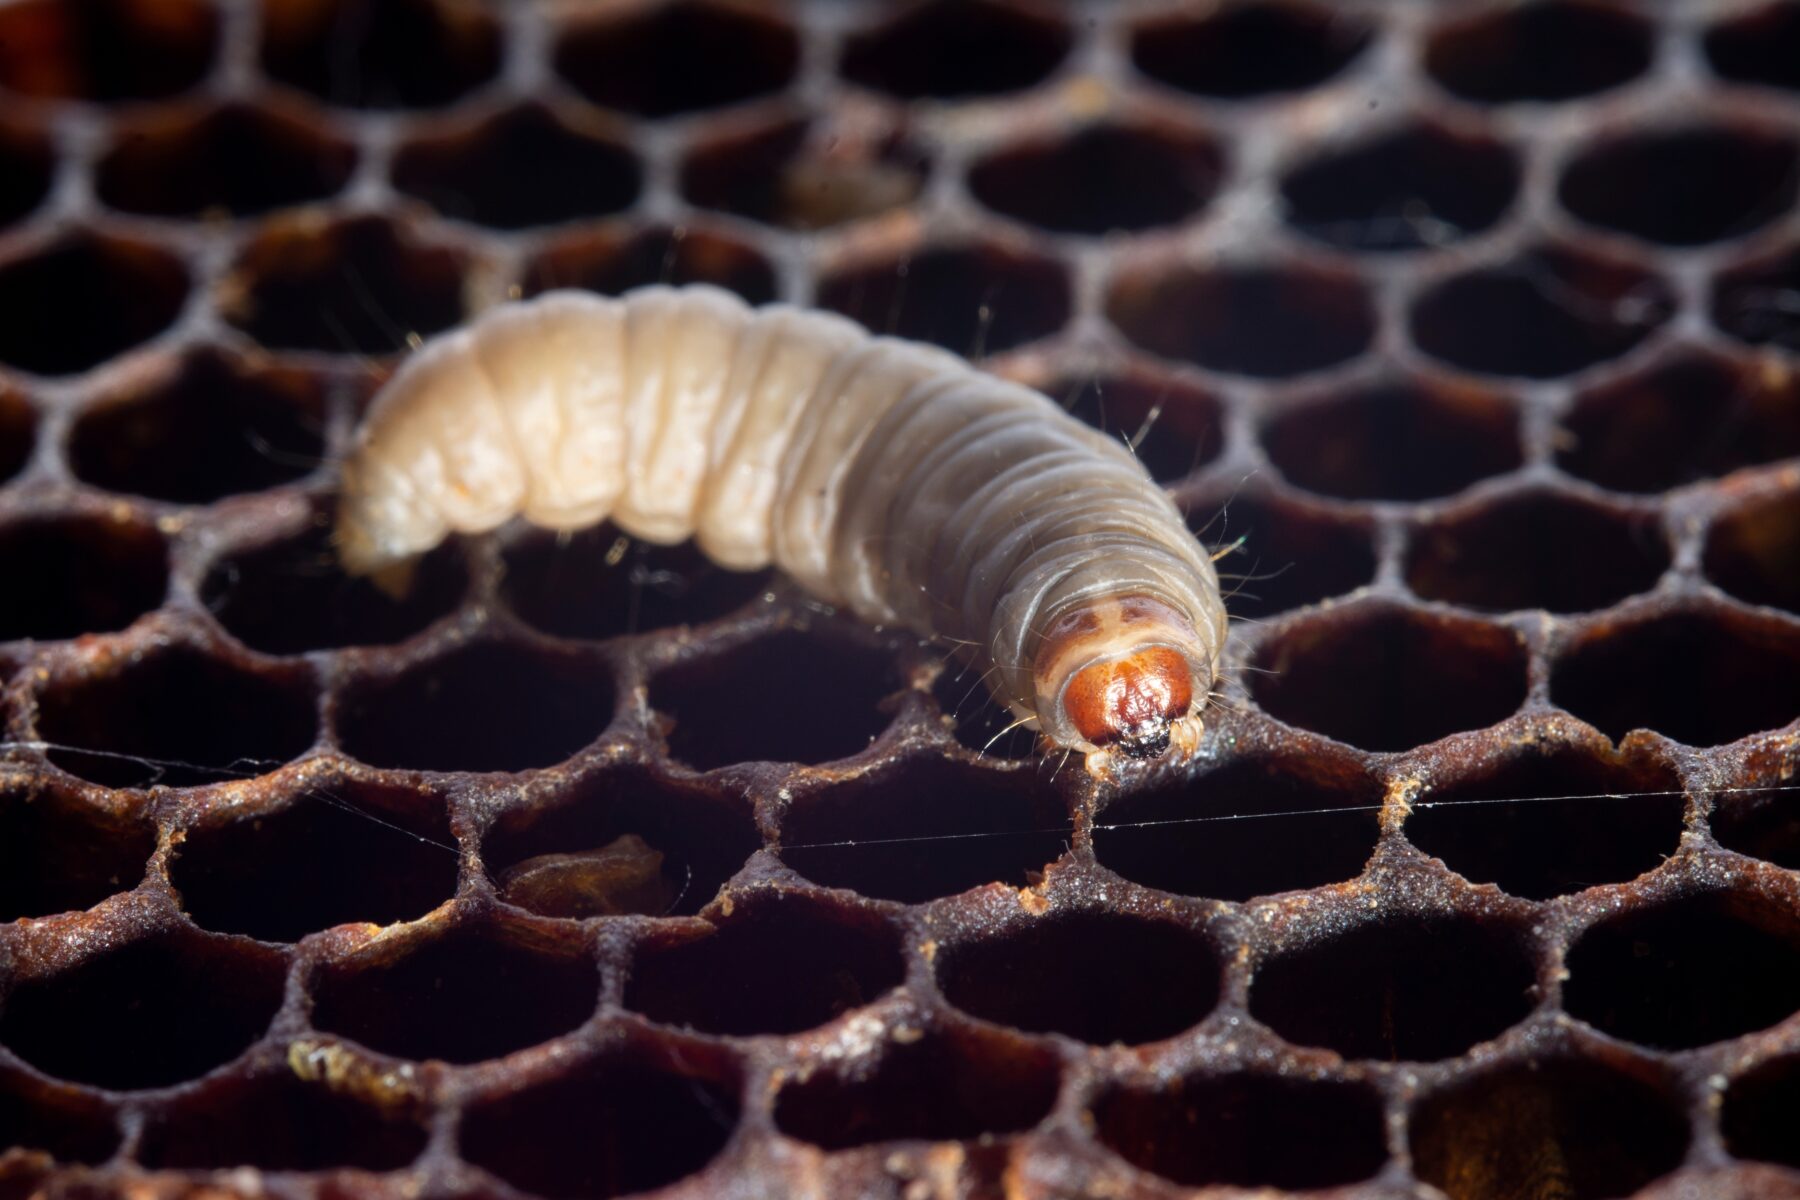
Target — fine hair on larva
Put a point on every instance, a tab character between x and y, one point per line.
884	476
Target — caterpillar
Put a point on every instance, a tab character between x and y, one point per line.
884	476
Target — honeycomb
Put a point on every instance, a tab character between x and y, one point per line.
1472	330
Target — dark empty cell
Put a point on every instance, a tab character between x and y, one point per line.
1656	975
1245	50
1761	46
619	1125
973	300
381	53
524	167
1387	678
60	855
614	263
106	49
18	433
1759	302
1700	677
1683	187
1101	178
76	302
1091	975
773	966
977	720
1761	1112
1559	1127
42	1116
206	427
1753	552
88	574
193	718
1248	828
236	159
1261	1131
952	48
1262	321
1763	823
656	60
146	1013
1546	312
1172	427
486	706
1545	50
277	1122
361	286
1290	555
929	829
463	996
26	166
803	174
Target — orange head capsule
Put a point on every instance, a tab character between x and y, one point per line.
1131	702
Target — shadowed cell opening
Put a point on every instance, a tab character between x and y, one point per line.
27	164
947	49
800	173
18	432
68	1126
1761	1111
1173	428
1683	186
1290	555
1755	302
1753	551
1758	46
58	854
106	50
1242	51
1761	822
973	300
380	54
1101	177
1546	50
614	261
83	298
92	573
661	60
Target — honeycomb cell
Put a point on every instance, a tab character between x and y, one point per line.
952	49
659	60
1291	554
200	428
277	1122
18	432
947	1085
1753	551
1759	301
1683	186
775	964
1652	975
106	50
1266	321
973	299
976	720
1410	188
1250	827
58	854
237	159
1091	975
27	165
1245	1130
176	716
361	286
84	297
1384	677
90	572
1761	822
1242	51
1700	676
925	829
785	697
616	260
526	166
483	706
1106	176
335	853
1172	427
1589	1131
462	995
1759	46
380	54
1760	1112
67	1125
1545	50
146	1013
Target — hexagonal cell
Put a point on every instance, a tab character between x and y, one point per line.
18	432
1761	46
483	706
948	49
1651	975
234	158
1753	551
614	261
106	50
1173	427
802	172
460	995
1683	186
58	854
146	1013
1252	827
1543	50
1410	188
1595	1130
359	286
380	53
1761	821
90	572
1384	677
624	1123
27	164
1548	311
1106	176
947	1085
202	427
775	964
81	299
788	697
1266	321
1096	976
1755	302
661	59
330	855
924	829
1291	555
1242	51
1700	676
525	166
685	842
1760	1112
973	299
67	1125
1243	1129
976	719
176	716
